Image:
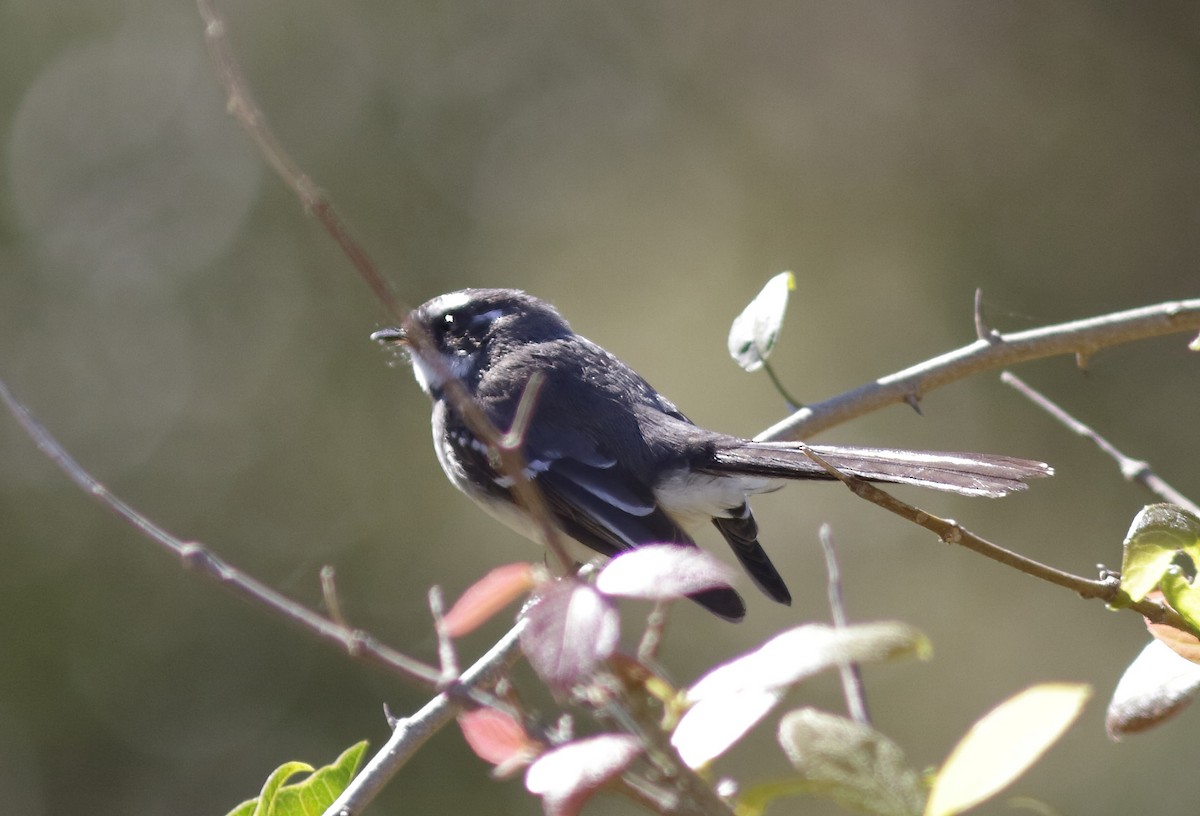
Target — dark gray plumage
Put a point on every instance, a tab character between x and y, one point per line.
618	463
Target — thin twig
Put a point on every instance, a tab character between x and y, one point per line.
411	733
793	404
447	657
356	642
1134	470
243	107
851	674
1080	337
983	331
509	449
656	625
329	593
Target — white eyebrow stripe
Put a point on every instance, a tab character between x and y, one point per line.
449	302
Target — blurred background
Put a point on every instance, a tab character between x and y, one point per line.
168	311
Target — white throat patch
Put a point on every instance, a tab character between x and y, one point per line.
429	377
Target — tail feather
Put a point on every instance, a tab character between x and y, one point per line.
968	474
740	530
724	602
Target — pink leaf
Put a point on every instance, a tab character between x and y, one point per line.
662	571
496	737
567	776
487	596
570	629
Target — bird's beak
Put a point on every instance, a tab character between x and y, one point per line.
395	336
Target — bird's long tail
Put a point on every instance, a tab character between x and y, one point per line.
968	474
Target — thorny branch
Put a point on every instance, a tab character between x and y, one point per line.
994	350
412	732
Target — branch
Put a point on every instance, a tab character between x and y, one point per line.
851	673
1134	470
994	350
412	732
243	108
356	642
1107	588
409	734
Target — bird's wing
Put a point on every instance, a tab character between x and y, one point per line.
601	500
603	506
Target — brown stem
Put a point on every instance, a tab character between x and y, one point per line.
1106	589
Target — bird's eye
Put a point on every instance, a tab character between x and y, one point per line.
463	329
451	324
454	328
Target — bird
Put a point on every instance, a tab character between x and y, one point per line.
618	464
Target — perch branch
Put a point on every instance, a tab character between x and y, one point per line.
1107	589
994	350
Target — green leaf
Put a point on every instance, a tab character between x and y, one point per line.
755	331
1157	534
754	801
850	763
309	797
1004	744
1182	595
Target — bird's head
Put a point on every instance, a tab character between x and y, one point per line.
470	330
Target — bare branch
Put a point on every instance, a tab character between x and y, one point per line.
1134	470
1080	337
356	642
242	106
851	674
